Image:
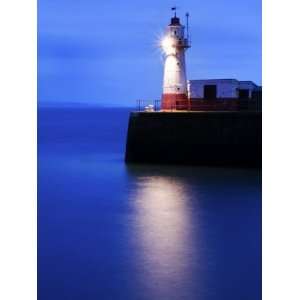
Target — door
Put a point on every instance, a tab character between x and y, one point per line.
210	92
243	94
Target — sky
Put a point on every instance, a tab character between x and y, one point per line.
106	52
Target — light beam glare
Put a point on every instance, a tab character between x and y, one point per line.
168	45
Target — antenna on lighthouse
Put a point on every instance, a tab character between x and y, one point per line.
187	27
174	8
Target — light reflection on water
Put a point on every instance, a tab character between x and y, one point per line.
162	222
163	232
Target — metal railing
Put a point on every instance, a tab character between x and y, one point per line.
148	105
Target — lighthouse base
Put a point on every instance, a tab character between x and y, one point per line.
198	138
174	102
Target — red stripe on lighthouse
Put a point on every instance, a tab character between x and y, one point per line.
174	101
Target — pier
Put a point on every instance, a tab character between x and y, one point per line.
222	138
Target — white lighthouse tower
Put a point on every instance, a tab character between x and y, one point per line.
174	44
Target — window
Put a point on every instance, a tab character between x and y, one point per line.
210	91
243	94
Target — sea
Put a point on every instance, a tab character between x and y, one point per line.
107	230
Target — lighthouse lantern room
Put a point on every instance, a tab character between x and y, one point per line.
174	45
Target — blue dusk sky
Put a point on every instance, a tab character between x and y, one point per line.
106	52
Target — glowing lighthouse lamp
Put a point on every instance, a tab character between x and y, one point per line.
174	45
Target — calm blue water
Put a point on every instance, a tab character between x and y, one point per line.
108	231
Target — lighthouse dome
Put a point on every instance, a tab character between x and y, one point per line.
175	21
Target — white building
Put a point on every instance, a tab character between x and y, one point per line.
221	89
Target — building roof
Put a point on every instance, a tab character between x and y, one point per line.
225	80
234	81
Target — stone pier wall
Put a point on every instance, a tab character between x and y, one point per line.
198	138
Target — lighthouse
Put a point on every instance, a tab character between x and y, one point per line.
174	45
